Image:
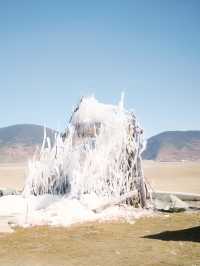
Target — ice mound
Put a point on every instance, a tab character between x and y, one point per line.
92	172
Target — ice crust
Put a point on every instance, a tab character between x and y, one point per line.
63	211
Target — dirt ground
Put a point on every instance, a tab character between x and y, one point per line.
161	240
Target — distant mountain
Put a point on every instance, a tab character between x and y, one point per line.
19	142
173	146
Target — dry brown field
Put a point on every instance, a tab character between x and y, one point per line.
173	176
161	240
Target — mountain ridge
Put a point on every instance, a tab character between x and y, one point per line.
176	145
19	142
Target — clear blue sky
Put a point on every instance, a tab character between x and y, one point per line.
53	52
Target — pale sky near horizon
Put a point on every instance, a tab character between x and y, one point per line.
53	52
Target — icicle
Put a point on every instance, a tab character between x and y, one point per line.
121	103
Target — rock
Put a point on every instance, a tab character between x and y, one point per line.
181	195
171	203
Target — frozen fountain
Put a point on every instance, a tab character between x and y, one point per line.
91	172
99	153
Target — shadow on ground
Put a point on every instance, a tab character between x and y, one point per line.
190	234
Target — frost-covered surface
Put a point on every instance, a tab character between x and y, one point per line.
98	161
63	211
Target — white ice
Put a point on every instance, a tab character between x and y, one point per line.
63	211
94	169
